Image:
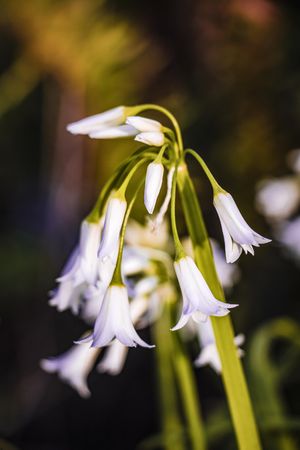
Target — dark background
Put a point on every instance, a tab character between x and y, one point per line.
230	72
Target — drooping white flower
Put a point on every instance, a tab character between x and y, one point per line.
73	366
209	353
153	182
67	296
198	300
107	119
114	132
277	199
154	138
114	320
143	124
114	217
114	358
85	266
237	234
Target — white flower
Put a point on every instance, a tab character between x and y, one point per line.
198	300
237	234
114	217
278	199
154	179
107	119
144	124
289	235
114	132
114	320
154	138
228	273
209	354
68	296
73	367
85	266
164	207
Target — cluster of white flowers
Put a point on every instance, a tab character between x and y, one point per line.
116	278
278	199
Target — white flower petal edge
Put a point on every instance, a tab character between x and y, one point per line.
114	320
73	367
114	359
164	207
144	124
114	132
114	217
155	138
209	354
67	296
238	235
197	297
110	118
154	179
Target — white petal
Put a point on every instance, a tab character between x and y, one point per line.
154	179
144	124
109	118
114	132
154	138
112	226
114	359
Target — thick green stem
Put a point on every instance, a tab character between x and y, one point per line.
232	372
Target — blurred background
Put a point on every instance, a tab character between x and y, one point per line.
230	72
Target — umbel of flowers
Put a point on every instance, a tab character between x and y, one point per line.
117	276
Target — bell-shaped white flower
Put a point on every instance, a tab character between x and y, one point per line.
237	234
198	300
114	132
209	353
85	266
154	138
153	182
114	320
67	295
277	199
143	124
73	367
107	119
114	217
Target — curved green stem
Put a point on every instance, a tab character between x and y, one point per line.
178	246
215	185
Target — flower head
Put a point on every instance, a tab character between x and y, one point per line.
238	235
198	300
154	138
114	320
73	367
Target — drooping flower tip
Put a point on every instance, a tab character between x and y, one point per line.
111	118
154	138
238	236
114	217
153	183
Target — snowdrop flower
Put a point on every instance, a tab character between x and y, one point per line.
289	235
209	354
107	119
198	300
114	320
228	273
114	216
154	179
237	234
278	199
143	124
114	132
154	138
73	367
